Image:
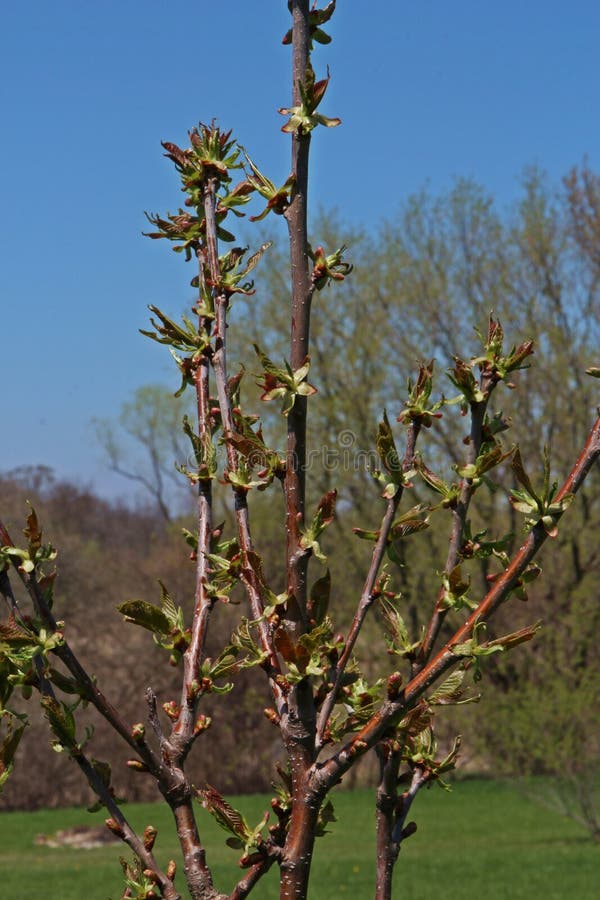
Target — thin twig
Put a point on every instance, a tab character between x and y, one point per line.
328	773
123	829
219	363
459	518
64	652
252	877
367	596
182	733
391	818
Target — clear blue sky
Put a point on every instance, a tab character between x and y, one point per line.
89	89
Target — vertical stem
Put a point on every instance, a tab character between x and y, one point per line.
367	597
299	721
183	730
459	518
197	873
219	363
385	806
297	857
391	817
296	215
198	876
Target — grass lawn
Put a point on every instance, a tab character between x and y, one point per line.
481	841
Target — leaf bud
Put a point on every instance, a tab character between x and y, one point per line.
181	641
394	683
249	859
410	829
272	716
283	684
114	826
357	747
333	655
193	689
138	732
150	833
171	869
172	710
202	724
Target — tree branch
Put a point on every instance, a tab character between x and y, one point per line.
246	884
391	815
182	734
459	518
219	363
328	773
367	596
68	657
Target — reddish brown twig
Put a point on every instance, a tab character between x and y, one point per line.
327	774
459	518
367	596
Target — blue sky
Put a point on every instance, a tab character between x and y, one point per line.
428	90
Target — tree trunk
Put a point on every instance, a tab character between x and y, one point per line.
297	859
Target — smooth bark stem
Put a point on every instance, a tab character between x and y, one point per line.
385	806
297	856
126	832
296	216
298	721
251	879
197	873
391	813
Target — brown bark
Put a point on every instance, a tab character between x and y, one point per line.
296	215
297	855
385	805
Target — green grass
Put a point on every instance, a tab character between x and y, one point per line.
482	840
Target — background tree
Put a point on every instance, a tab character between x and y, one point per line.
146	444
328	712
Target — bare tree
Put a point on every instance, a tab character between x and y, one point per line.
150	421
